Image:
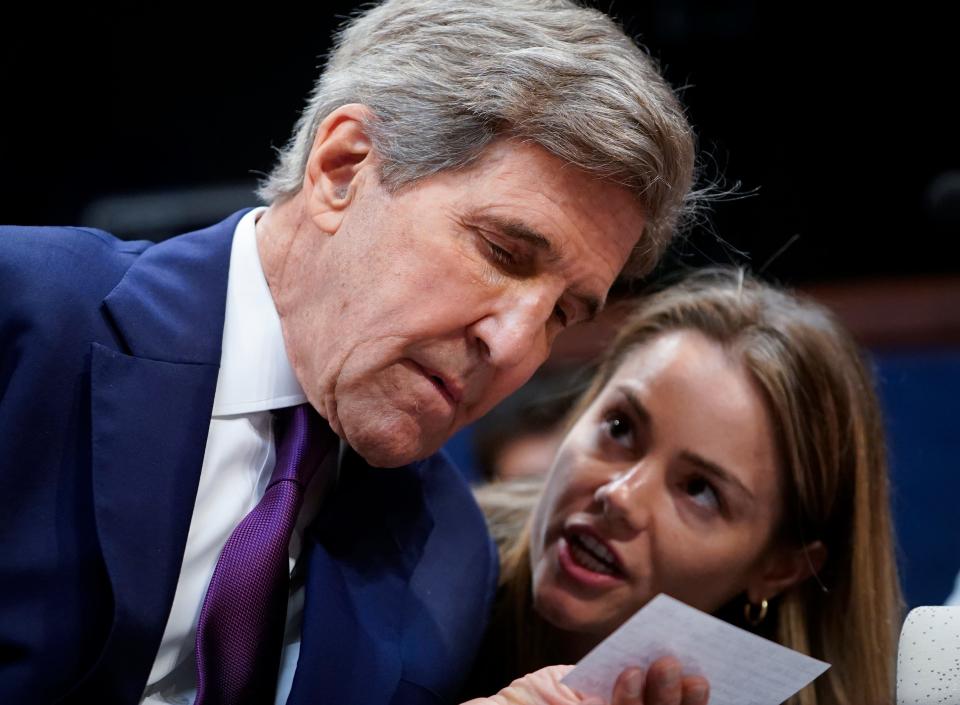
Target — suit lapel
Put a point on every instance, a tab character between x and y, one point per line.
151	404
363	550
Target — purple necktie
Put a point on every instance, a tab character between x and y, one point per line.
242	621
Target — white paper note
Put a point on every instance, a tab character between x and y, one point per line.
743	669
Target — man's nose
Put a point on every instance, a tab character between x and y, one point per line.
625	498
516	333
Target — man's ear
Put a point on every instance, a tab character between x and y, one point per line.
783	568
341	156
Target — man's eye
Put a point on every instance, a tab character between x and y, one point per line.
499	254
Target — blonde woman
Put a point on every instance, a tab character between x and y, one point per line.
730	453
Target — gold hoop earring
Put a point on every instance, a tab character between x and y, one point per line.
754	620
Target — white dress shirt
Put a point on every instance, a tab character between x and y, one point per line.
255	377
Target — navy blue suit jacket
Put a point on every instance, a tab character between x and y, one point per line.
109	353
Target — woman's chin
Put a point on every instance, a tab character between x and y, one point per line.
569	613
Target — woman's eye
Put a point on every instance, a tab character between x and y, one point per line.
619	428
702	493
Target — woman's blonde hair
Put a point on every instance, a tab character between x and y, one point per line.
830	440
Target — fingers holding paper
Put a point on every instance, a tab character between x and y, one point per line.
662	684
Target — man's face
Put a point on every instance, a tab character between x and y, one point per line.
428	306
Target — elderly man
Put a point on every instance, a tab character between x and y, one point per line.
192	431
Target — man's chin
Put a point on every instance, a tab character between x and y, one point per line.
386	448
389	435
385	458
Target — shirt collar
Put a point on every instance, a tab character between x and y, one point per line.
255	372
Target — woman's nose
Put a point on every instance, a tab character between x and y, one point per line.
625	498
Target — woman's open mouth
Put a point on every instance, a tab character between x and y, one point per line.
593	555
589	559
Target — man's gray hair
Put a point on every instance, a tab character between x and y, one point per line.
445	77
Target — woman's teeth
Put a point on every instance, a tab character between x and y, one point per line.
592	555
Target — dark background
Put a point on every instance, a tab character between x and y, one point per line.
838	122
838	126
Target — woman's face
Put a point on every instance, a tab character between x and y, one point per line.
668	483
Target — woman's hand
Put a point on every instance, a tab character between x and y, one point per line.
661	684
541	687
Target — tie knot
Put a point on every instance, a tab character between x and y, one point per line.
302	438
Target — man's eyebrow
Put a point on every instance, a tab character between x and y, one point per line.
521	231
717	471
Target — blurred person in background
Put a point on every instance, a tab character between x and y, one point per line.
520	436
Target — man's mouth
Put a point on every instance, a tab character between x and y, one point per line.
447	388
442	386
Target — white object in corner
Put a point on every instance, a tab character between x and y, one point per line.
928	658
